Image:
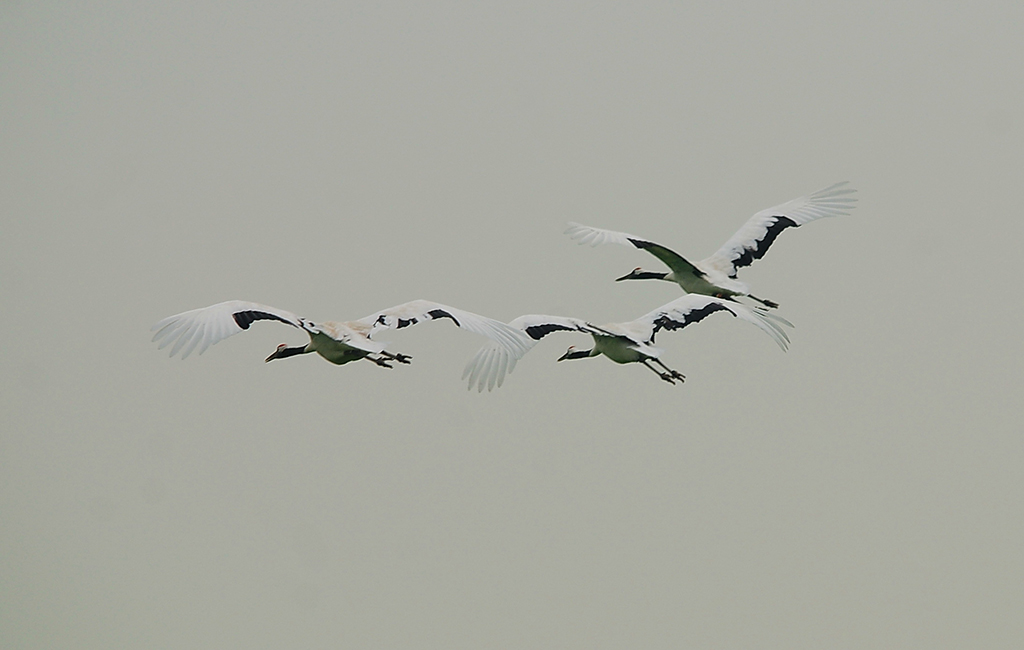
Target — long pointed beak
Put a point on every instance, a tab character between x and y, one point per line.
625	277
272	356
564	357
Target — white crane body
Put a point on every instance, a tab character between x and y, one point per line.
716	275
628	342
337	342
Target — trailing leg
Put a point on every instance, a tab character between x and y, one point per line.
664	375
675	374
767	303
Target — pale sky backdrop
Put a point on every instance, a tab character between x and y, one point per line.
863	490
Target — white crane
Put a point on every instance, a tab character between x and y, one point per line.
716	275
630	342
339	343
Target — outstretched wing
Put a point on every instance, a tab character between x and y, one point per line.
752	241
693	308
594	236
417	311
492	362
204	327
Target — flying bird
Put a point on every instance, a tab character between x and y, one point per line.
339	343
630	342
716	275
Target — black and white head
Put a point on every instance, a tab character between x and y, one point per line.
276	354
639	274
574	353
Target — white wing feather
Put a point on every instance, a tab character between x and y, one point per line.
492	362
749	241
597	236
207	326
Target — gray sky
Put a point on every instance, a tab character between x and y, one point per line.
862	490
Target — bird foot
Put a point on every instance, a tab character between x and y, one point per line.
667	377
767	303
383	363
678	375
403	358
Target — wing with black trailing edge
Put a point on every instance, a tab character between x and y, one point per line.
491	362
693	308
752	241
509	338
594	236
201	328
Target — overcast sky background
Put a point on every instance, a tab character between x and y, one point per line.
863	490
